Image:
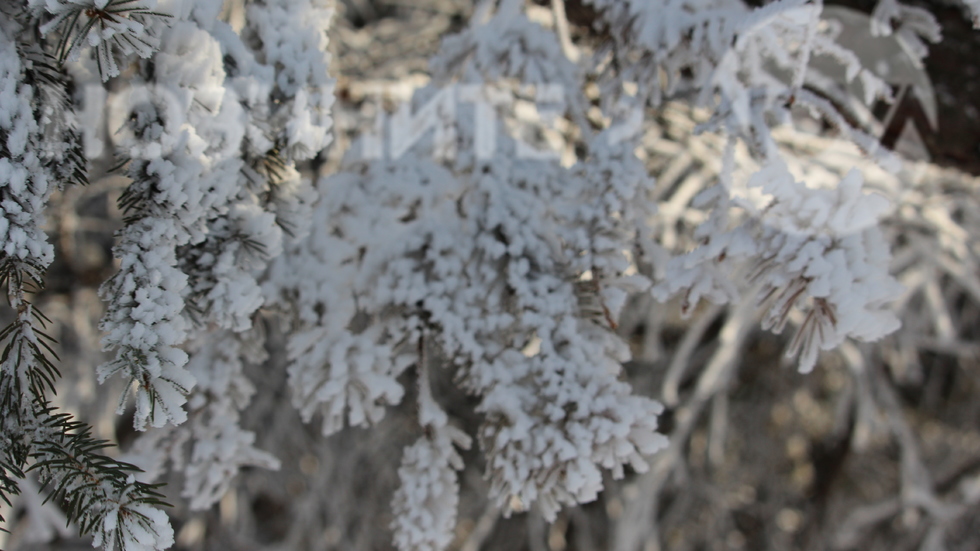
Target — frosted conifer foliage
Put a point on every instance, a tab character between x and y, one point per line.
813	250
495	270
257	136
100	493
110	27
203	219
208	129
445	273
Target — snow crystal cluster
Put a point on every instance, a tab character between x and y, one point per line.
425	503
24	184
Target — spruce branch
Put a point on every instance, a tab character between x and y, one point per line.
111	26
40	152
93	488
60	148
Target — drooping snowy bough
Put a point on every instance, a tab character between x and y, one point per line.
209	127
